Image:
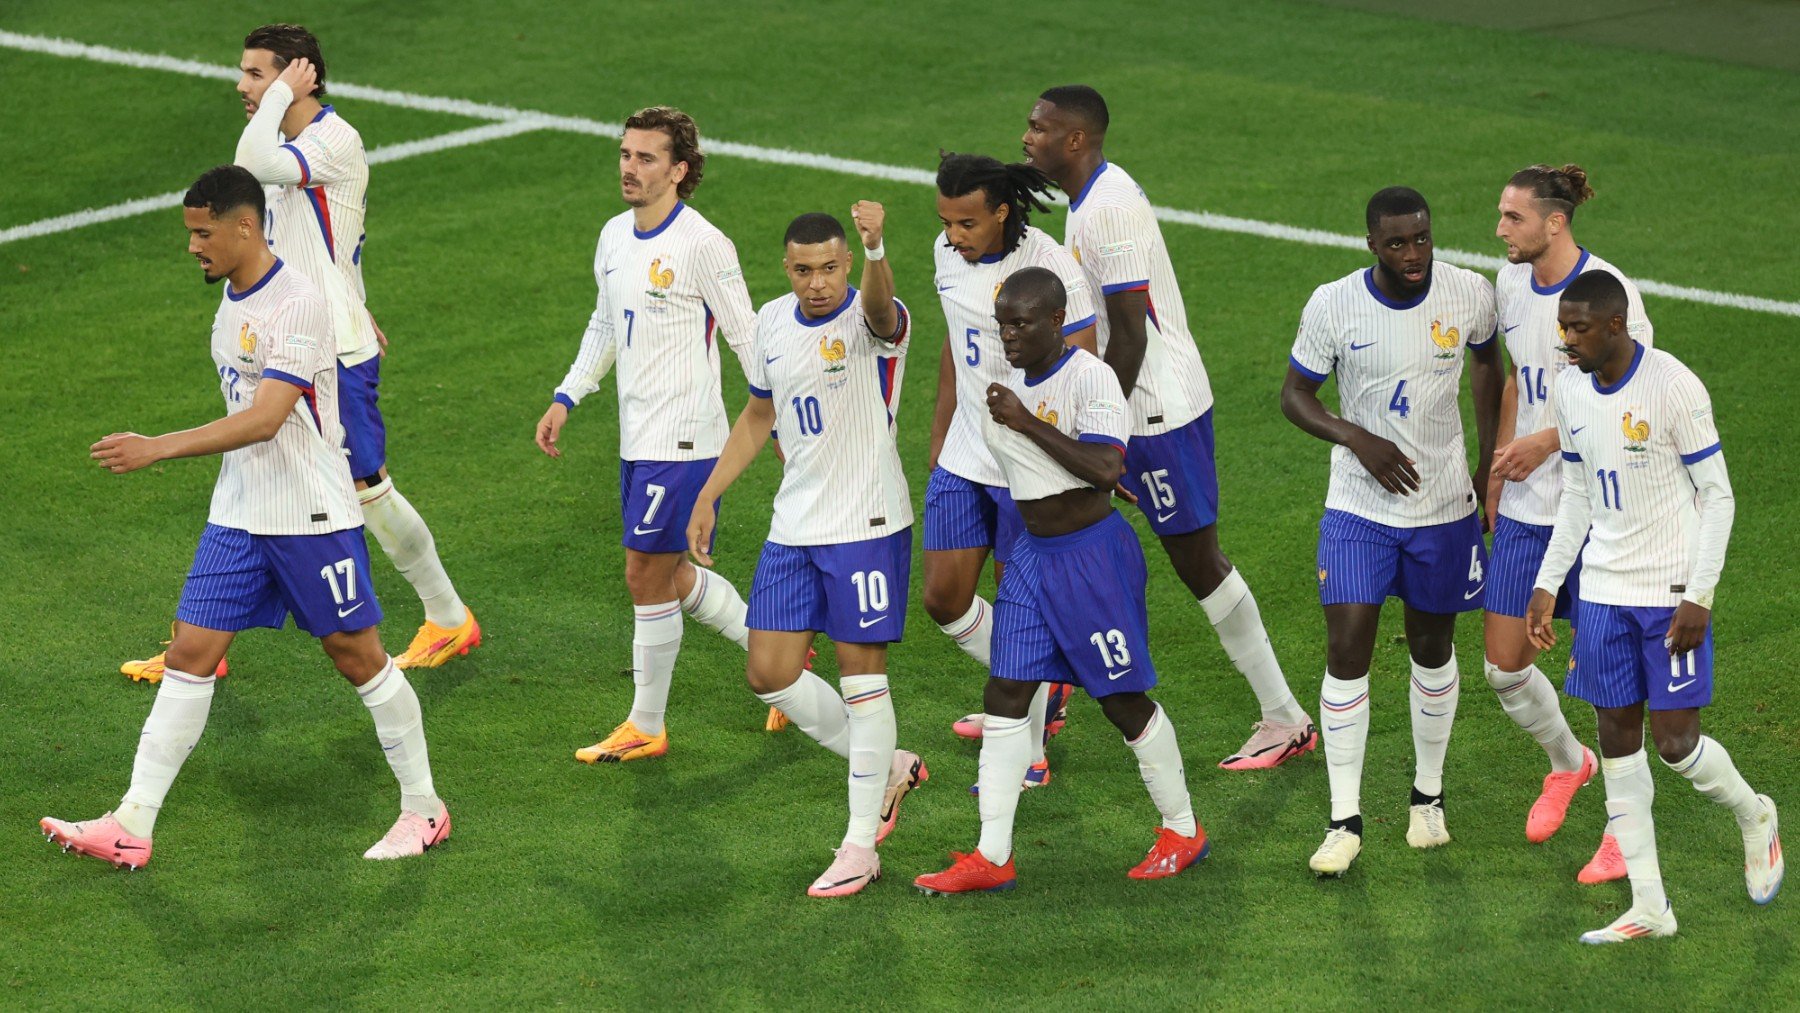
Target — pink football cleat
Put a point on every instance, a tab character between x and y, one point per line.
412	834
854	868
1271	744
102	838
1552	806
968	726
1607	864
907	773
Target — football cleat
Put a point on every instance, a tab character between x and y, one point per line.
854	868
1552	806
970	873
1425	828
433	644
412	834
907	773
776	721
150	670
1763	864
969	726
102	838
1271	744
1171	853
1607	864
1337	852
1634	924
1036	776
625	743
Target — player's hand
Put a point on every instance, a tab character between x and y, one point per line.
123	452
1125	494
1539	618
1005	406
1517	460
1688	629
868	217
700	530
1383	459
300	76
550	427
380	338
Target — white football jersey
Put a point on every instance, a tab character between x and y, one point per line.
1399	371
297	483
1081	397
1633	443
967	293
666	298
836	389
1113	234
1528	323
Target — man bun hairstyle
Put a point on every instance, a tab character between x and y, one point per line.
1083	102
1019	186
684	141
1600	290
813	227
224	189
1395	201
1555	190
290	43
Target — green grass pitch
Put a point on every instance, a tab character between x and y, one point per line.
680	881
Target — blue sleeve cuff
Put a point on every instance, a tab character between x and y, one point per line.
1102	438
306	385
1573	458
1126	286
756	391
1700	455
1484	341
565	400
1080	325
305	169
1312	375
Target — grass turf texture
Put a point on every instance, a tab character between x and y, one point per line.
681	880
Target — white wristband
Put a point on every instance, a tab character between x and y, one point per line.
878	253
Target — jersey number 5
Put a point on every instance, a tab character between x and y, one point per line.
974	356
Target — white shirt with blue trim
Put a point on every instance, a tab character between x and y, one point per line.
1113	235
967	293
836	392
1082	398
1399	369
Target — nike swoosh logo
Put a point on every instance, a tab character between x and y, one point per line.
859	777
1577	429
1115	675
643	531
1678	687
945	288
1470	594
1509	330
866	623
1161	517
122	846
344	612
608	271
1615	816
1432	714
770	359
1339	728
1354	347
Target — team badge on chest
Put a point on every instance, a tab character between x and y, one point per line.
247	342
1637	434
831	352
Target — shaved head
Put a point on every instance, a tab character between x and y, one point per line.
1034	287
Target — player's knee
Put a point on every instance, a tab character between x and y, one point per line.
1008	698
1676	744
946	602
1431	650
191	658
766	678
1508	655
649	578
1130	713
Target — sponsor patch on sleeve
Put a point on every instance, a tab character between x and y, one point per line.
1103	405
731	272
1118	249
302	341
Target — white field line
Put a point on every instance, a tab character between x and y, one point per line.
520	120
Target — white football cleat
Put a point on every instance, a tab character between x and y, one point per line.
1634	924
1335	855
412	834
1763	864
1426	828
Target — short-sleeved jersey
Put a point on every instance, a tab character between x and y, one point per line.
836	390
967	293
297	483
1399	370
1528	324
667	296
1634	441
1081	397
316	225
1113	234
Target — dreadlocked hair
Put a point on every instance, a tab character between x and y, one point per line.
1022	188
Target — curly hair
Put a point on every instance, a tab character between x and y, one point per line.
684	141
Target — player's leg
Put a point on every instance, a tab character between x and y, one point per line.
959	535
151	669
1630	790
1432	694
869	708
655	646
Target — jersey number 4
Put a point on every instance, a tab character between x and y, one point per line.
1400	404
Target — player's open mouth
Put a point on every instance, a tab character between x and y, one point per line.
1413	274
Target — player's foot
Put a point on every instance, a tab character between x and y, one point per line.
1036	776
854	868
968	726
969	873
1058	709
1552	806
1635	924
1607	864
776	721
1425	828
433	644
412	834
1171	853
907	773
1334	856
625	743
102	838
1272	744
150	670
1763	864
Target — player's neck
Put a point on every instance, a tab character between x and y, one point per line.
1080	170
1556	262
252	270
650	216
298	115
1618	362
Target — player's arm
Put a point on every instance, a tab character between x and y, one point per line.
1487	381
722	286
259	147
945	407
1697	440
879	309
1574	513
590	367
1381	457
274	401
1098	462
741	447
1127	312
1120	264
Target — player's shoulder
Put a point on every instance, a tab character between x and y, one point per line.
1666	369
1457	280
289	294
696	229
1040	250
1595	262
1115	192
1086	367
1348	289
778	310
1512	278
331	123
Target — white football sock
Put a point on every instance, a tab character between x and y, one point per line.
1528	698
655	643
1710	768
402	533
401	728
1005	755
1629	794
974	632
1038	715
1433	694
716	604
1344	725
872	735
1159	762
1231	609
170	732
816	709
